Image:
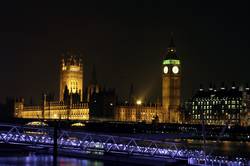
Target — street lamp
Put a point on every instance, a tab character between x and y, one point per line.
138	102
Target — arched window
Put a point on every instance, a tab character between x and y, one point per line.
73	86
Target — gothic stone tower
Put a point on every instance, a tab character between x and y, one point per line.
93	86
171	84
71	75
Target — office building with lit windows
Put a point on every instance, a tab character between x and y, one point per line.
219	106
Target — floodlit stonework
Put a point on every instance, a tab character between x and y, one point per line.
169	111
70	106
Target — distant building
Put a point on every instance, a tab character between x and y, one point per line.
71	75
93	87
169	111
52	110
70	105
140	113
171	84
102	104
219	106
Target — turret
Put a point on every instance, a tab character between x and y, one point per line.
171	83
71	73
18	107
93	86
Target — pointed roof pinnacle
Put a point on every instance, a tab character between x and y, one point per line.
93	77
171	44
171	51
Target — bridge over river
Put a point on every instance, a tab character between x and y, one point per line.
109	147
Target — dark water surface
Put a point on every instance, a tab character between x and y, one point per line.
32	159
232	149
225	148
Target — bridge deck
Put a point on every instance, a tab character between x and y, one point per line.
107	146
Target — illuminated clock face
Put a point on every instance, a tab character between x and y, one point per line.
175	69
165	70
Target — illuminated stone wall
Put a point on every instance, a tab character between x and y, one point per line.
171	84
53	110
171	92
71	75
139	114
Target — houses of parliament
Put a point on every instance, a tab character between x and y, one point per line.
79	102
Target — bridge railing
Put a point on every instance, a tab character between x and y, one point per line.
83	142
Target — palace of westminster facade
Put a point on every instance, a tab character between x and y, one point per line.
72	94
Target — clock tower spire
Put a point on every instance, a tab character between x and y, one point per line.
171	84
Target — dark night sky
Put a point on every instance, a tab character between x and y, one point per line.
126	41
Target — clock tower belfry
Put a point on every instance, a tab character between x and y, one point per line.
171	84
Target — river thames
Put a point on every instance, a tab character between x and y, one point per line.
32	159
225	148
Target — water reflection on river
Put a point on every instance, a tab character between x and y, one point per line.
225	148
32	159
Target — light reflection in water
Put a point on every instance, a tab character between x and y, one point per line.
45	160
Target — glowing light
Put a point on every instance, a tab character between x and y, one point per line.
37	123
175	69
165	69
171	62
55	115
74	68
138	102
77	124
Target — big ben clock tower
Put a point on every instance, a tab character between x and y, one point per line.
171	84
